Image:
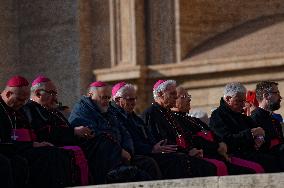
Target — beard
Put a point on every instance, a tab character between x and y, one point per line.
104	109
274	105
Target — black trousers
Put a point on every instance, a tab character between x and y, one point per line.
14	170
103	155
267	161
49	167
180	165
6	174
148	165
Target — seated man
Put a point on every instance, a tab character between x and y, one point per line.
199	134
49	166
122	106
50	125
269	99
162	125
242	136
91	111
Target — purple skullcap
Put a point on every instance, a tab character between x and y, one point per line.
17	81
159	82
98	84
117	87
40	79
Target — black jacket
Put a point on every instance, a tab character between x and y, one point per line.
271	126
192	126
143	140
233	128
163	125
11	119
50	126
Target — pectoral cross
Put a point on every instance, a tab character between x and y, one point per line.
14	136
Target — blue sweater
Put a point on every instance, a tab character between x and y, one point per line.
87	113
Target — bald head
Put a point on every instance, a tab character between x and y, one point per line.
15	97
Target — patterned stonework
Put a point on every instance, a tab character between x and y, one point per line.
203	44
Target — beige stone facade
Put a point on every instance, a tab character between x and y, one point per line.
203	44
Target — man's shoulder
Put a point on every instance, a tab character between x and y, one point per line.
31	106
150	109
216	112
259	111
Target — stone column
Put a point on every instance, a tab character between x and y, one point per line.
162	24
9	48
127	32
49	44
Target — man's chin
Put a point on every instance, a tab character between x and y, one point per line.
103	110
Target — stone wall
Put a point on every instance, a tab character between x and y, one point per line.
201	20
49	43
42	37
203	44
9	48
248	181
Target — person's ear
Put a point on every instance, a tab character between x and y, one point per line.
37	93
8	94
116	100
227	98
90	94
160	94
265	95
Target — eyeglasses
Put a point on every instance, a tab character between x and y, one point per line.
105	97
275	92
51	92
186	96
129	98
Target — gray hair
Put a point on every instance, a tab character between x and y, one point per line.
93	88
123	90
232	89
37	87
163	87
200	114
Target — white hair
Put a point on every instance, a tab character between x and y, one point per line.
162	87
232	89
93	88
200	114
37	87
122	90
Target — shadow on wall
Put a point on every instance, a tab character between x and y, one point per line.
236	33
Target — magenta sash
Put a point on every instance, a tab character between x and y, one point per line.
207	135
81	162
274	142
221	167
180	141
248	164
23	135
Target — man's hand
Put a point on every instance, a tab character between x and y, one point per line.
161	147
83	132
196	153
41	144
125	155
222	150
